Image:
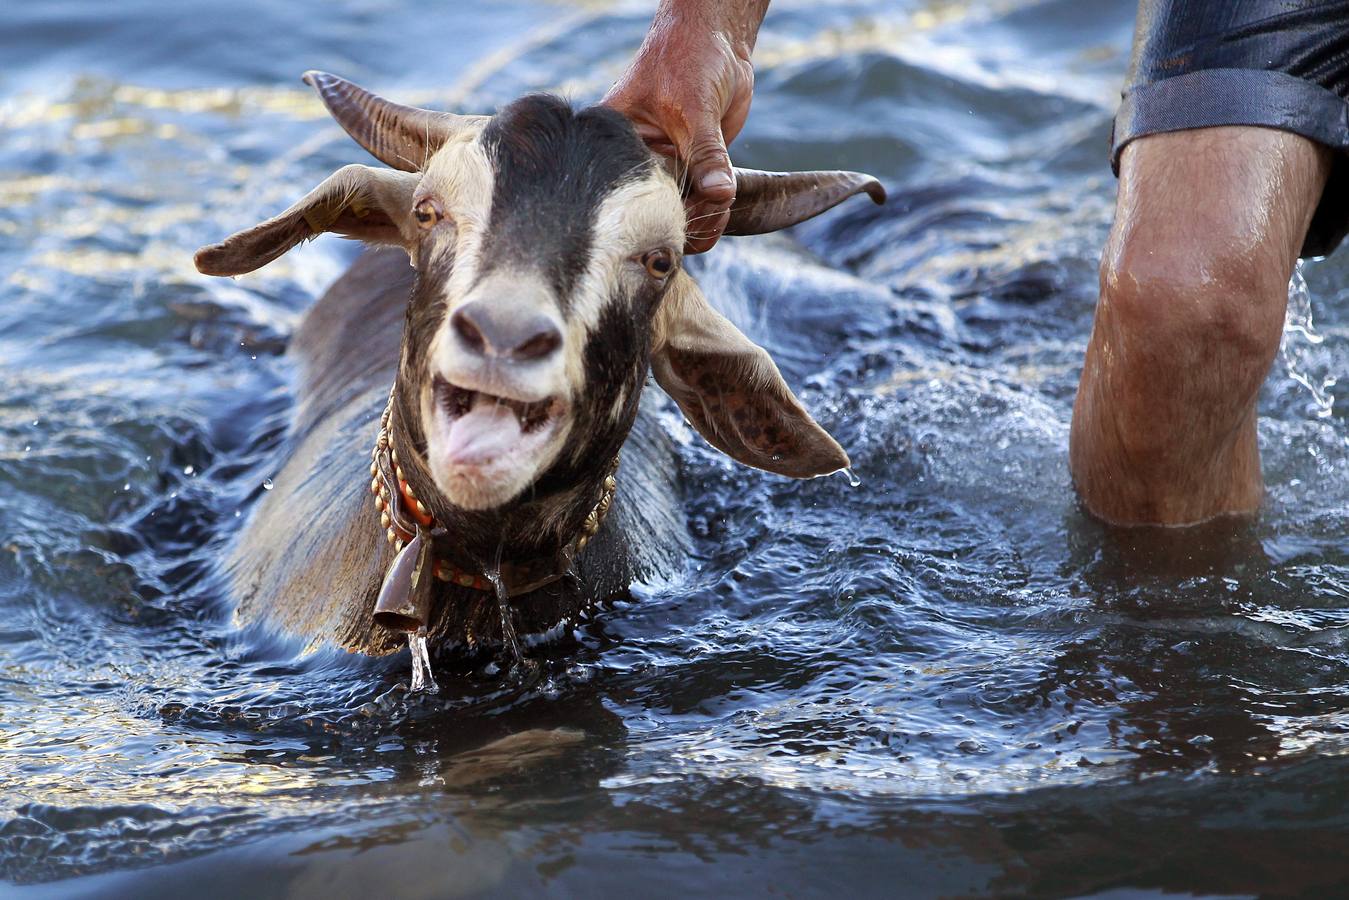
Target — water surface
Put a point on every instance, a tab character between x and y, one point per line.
947	681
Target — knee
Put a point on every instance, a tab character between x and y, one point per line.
1195	304
1185	338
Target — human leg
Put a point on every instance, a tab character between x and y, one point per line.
1194	277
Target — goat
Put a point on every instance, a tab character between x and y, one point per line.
514	456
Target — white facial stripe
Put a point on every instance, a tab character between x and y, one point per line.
639	216
460	176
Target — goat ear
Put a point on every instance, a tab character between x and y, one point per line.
731	391
361	202
771	201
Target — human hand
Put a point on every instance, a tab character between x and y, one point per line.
688	92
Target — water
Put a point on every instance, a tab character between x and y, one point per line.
1299	349
423	676
947	681
512	651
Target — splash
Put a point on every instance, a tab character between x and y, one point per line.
422	678
1297	349
510	641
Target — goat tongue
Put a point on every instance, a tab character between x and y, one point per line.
483	434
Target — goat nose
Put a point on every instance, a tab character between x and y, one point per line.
489	331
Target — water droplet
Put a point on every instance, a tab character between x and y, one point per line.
422	679
188	470
509	639
236	514
267	484
853	480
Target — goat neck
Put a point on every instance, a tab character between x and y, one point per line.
528	541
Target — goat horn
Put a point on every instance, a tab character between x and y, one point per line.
403	137
769	201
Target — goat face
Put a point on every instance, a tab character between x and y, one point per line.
547	247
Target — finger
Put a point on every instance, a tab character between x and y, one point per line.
706	222
711	190
737	110
710	175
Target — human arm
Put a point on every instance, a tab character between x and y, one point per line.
688	92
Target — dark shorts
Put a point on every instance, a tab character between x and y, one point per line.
1273	63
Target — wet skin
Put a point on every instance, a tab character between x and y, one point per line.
1194	281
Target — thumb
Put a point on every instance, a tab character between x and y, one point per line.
711	191
710	177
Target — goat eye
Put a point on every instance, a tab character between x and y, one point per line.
427	213
658	263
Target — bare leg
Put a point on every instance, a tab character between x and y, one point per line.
1194	281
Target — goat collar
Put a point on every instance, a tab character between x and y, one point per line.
405	599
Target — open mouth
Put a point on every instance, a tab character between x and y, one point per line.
457	402
490	439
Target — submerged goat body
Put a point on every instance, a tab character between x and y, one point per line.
546	284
